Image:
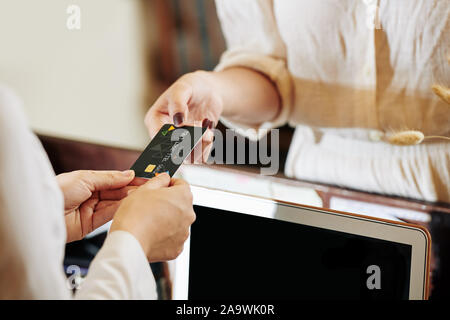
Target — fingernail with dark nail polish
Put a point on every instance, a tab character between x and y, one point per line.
206	123
178	119
211	125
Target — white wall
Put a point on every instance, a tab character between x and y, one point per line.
86	84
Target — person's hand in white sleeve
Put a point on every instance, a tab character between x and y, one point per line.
158	214
151	224
91	198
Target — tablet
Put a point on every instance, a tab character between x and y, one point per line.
245	247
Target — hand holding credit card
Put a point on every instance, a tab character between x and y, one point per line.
167	151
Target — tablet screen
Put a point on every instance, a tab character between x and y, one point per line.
239	256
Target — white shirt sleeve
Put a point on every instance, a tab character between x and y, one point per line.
33	233
253	41
119	271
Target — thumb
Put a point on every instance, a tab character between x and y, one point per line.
106	180
160	181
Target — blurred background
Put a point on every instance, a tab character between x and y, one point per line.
95	84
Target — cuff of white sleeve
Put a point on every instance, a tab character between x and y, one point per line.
120	270
276	70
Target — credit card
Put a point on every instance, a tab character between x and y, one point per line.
167	151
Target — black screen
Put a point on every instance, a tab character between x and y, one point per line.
239	256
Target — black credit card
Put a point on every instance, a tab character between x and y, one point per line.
167	151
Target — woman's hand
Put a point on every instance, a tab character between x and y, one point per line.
200	98
191	100
92	197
